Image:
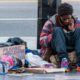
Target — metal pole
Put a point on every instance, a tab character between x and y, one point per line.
46	8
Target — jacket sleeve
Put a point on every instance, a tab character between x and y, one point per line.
46	34
77	25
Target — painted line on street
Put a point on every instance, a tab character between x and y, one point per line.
18	19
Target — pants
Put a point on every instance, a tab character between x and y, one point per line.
62	42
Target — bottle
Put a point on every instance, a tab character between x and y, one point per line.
4	67
1	68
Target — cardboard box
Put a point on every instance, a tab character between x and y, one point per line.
16	50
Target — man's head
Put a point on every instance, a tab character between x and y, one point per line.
65	12
65	9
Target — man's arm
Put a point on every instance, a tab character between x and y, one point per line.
46	34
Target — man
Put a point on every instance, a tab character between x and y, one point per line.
61	33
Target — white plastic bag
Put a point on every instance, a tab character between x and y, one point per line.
37	61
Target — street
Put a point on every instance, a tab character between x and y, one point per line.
18	19
54	76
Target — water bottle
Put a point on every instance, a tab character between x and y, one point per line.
4	67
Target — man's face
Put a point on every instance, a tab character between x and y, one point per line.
66	19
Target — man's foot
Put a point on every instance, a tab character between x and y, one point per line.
50	65
78	67
65	64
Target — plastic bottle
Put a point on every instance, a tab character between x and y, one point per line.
4	67
8	62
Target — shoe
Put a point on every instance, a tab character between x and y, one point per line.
50	65
78	67
65	64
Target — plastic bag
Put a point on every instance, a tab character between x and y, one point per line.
9	62
37	61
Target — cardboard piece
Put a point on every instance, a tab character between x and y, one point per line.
16	50
19	75
45	70
37	70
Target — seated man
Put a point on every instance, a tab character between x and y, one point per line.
60	32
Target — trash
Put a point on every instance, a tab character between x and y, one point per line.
9	62
16	50
12	54
36	60
16	41
3	67
40	70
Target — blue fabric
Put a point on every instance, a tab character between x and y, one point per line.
26	62
27	50
15	67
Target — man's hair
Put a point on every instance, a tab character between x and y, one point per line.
65	9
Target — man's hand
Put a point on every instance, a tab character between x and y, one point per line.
71	25
65	30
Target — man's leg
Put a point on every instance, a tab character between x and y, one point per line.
77	44
59	43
